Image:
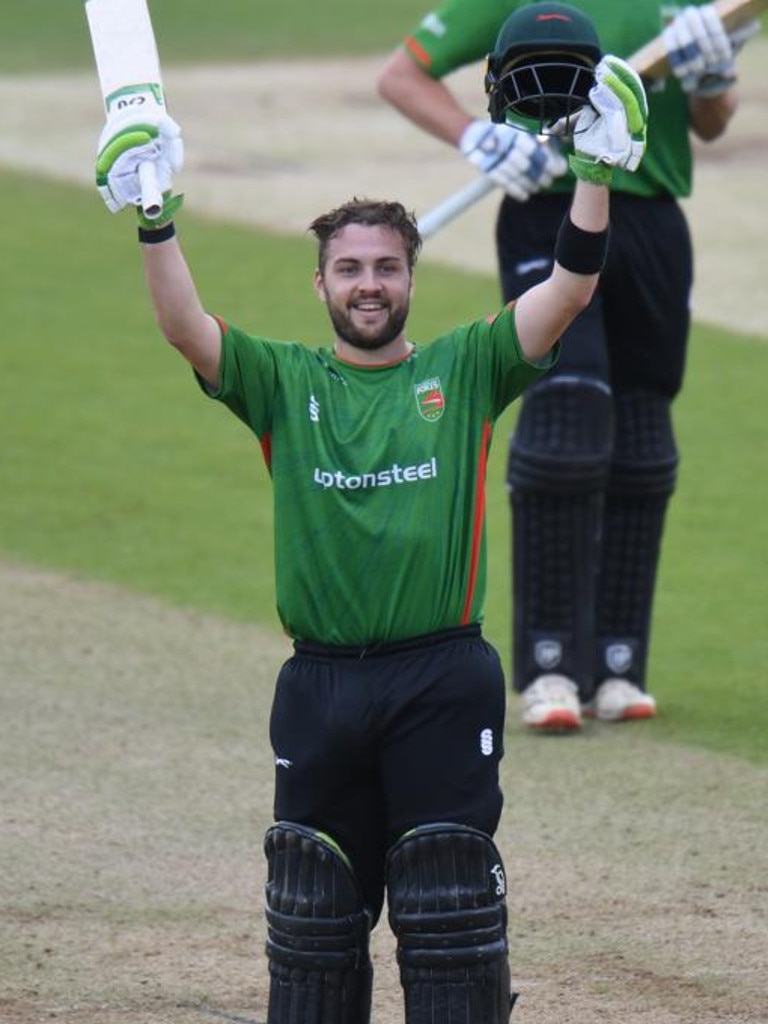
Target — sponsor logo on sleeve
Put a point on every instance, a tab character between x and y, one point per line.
432	24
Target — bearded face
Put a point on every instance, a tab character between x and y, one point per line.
366	286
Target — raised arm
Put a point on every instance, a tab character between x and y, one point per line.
611	132
180	314
129	141
544	312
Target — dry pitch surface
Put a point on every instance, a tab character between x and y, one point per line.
135	778
135	771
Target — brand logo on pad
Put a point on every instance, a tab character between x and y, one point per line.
618	658
501	883
430	399
548	653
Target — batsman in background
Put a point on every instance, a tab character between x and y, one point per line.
593	459
387	723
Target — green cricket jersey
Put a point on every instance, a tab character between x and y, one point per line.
463	31
378	476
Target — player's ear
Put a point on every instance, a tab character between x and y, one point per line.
319	286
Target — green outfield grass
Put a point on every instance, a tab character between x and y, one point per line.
52	34
114	467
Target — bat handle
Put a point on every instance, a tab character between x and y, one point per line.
151	196
455	204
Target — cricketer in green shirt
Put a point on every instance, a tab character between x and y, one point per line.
365	462
461	32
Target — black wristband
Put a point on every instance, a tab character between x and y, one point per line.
581	252
151	236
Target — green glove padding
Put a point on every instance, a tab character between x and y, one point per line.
611	131
586	169
171	205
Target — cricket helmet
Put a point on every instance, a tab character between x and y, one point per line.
542	66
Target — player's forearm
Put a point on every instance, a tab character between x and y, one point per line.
590	206
710	115
544	312
578	263
423	100
179	312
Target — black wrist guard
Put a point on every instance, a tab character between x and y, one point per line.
581	252
151	236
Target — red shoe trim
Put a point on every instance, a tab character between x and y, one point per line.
559	719
638	711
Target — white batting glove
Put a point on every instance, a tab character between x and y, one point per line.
701	52
611	131
138	130
512	158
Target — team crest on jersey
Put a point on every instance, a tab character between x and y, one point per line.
430	400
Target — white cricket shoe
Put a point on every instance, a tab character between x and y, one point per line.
617	700
552	702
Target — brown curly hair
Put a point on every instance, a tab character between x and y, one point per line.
372	212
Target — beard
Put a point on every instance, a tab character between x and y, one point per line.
373	338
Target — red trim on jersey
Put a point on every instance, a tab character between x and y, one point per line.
417	51
266	450
493	316
477	525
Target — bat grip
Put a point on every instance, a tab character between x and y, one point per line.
151	196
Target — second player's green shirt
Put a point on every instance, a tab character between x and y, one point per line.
460	32
378	476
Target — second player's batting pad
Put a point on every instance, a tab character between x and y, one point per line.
556	475
642	478
446	891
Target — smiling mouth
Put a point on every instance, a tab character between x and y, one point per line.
369	307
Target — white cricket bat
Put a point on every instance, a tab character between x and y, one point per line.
650	61
126	58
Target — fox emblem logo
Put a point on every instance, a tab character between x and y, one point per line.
430	400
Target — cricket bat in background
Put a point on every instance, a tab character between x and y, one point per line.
650	62
128	65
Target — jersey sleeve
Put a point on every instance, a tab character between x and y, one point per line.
248	378
458	32
503	372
